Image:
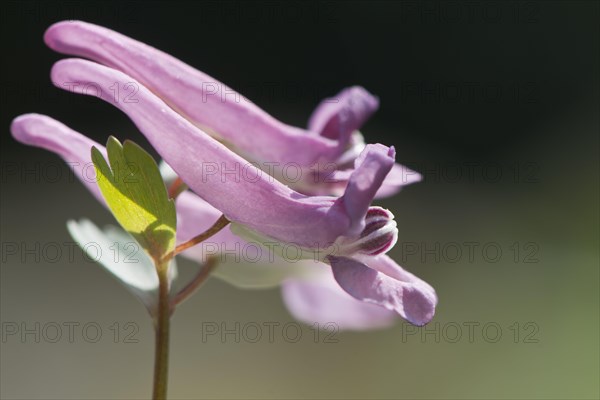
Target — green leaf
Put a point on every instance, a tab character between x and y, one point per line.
136	194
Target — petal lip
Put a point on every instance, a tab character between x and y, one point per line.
200	98
403	292
264	205
320	300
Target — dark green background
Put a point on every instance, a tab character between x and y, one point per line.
526	108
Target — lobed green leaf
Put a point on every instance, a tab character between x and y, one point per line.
136	194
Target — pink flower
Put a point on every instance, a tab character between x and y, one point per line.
364	287
326	151
309	289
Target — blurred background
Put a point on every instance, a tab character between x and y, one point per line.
495	103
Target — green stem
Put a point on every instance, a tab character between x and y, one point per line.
161	357
165	306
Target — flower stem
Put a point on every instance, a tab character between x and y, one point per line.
221	223
203	273
165	306
176	188
161	357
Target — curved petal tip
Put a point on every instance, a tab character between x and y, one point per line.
404	293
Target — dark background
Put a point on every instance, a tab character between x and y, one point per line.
495	103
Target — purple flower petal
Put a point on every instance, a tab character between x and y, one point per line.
339	116
205	101
321	300
224	113
397	178
385	283
73	147
251	198
372	165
